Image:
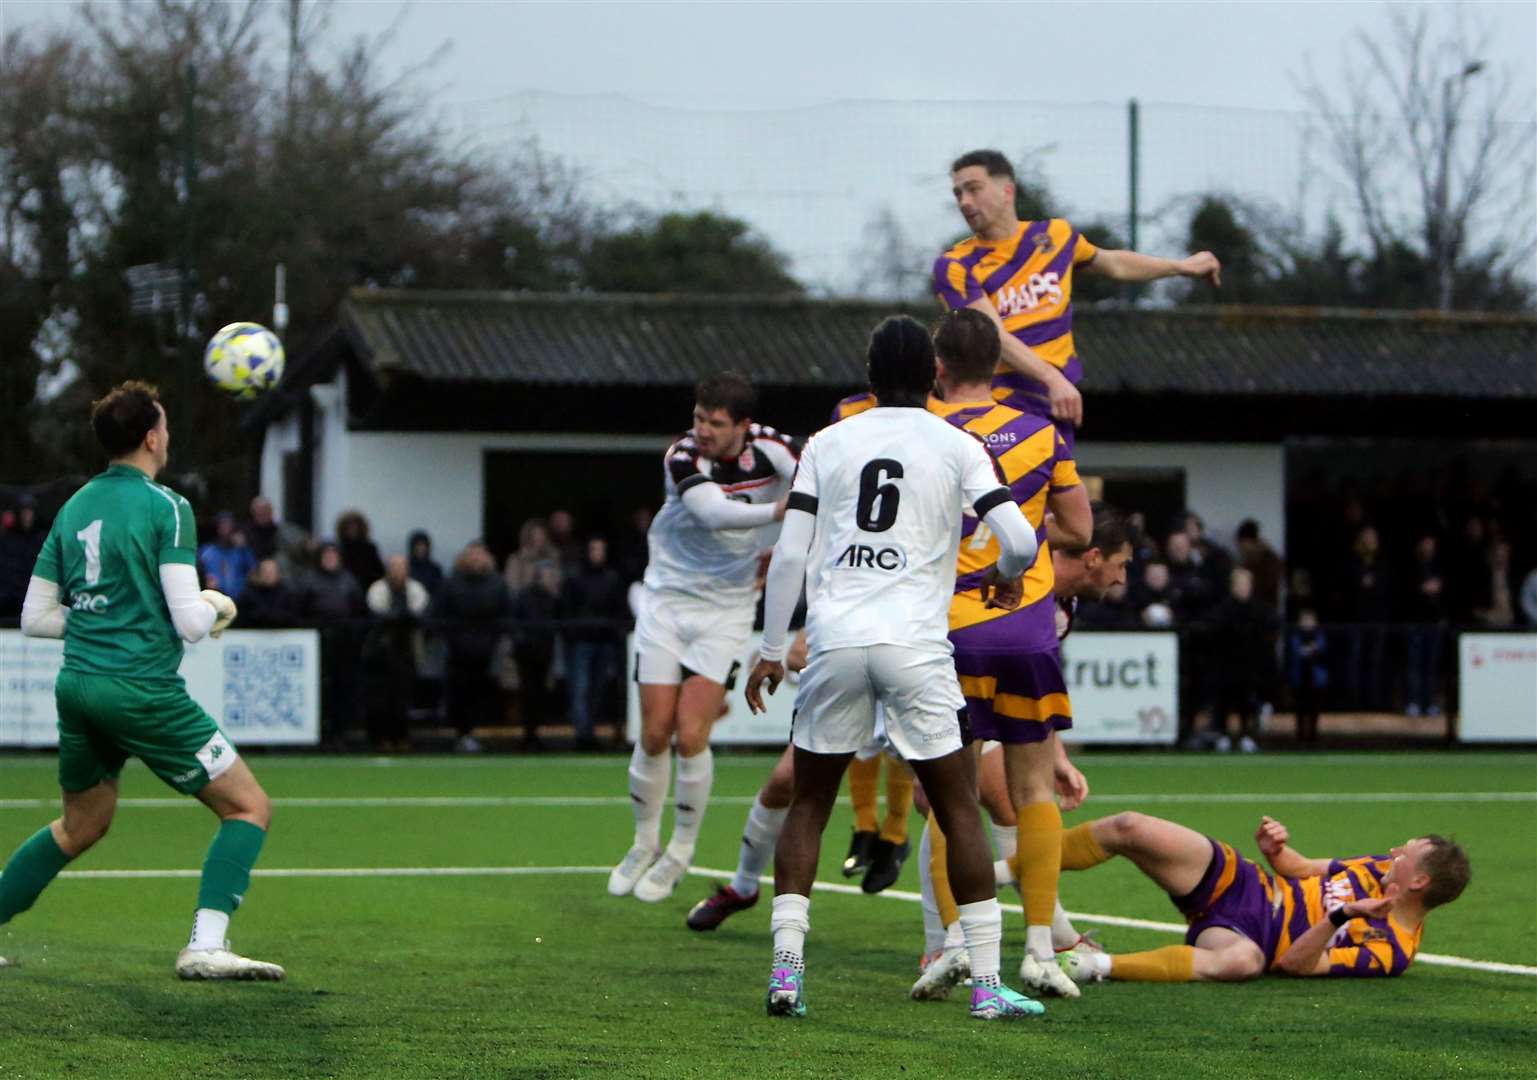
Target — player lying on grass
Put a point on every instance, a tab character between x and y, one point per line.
1354	916
117	580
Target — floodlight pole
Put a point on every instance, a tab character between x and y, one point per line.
1133	150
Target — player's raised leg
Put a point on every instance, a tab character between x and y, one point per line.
760	838
244	813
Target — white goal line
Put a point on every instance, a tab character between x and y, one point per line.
698	871
406	801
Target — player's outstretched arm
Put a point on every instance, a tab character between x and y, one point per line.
709	504
41	613
1272	840
191	614
1134	266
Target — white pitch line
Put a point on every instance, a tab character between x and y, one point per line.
698	871
360	802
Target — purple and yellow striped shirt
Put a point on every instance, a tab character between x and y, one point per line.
1028	279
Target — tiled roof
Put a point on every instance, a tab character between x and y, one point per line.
616	341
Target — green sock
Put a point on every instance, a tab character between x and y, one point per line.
34	865
227	870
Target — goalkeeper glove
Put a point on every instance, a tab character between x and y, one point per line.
224	610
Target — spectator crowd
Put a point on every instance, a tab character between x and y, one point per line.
535	641
1359	617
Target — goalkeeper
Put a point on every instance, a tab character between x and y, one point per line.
117	580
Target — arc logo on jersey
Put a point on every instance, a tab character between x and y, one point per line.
1028	296
866	557
93	602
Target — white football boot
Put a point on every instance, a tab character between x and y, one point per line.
1045	978
223	964
1085	967
942	975
663	877
636	862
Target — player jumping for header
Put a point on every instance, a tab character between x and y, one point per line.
723	482
117	580
1020	274
1353	916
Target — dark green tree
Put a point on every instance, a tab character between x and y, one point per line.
703	252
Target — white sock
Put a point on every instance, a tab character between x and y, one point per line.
1006	840
982	926
1038	943
208	929
954	939
648	792
933	929
690	795
759	836
1064	935
1100	962
791	922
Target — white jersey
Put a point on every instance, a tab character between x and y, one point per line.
888	488
717	564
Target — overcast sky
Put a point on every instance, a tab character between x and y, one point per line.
863	103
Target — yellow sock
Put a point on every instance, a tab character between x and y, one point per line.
1172	963
939	873
1079	848
1038	860
862	779
899	801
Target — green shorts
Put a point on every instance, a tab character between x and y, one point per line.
103	719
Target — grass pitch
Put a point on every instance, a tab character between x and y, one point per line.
541	974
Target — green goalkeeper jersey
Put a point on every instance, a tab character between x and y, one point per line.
105	551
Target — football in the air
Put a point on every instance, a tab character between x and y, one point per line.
244	359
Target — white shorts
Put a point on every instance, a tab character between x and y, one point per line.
675	631
878	743
918	691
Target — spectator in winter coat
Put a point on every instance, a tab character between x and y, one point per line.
425	570
471	605
1307	673
396	602
359	554
596	594
268	601
20	543
226	560
535	608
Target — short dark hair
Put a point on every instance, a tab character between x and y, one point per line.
729	390
122	418
900	359
1248	529
991	160
1449	870
1112	531
968	342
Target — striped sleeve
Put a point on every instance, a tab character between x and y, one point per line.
1377	958
1083	249
953	283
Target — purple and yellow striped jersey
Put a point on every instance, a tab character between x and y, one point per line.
1282	909
1028	279
1035	461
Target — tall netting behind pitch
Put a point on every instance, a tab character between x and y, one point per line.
857	193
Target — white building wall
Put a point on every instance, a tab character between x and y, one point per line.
1224	482
281	437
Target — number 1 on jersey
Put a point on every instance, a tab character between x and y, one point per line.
90	537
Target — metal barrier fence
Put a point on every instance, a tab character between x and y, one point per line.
429	682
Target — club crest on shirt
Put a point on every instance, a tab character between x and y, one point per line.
746	459
1044	244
